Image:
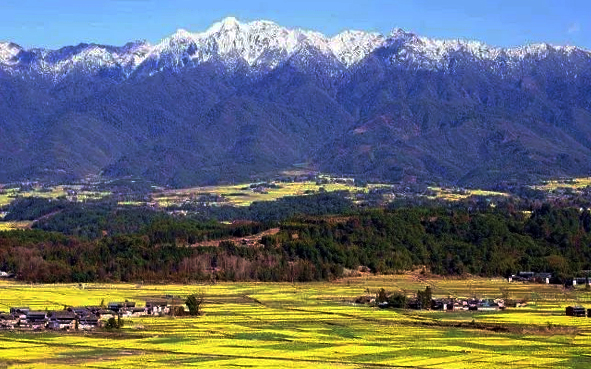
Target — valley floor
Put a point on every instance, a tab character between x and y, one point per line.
309	325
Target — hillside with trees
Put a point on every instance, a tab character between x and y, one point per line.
317	243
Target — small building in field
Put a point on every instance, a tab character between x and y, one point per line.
93	309
577	311
472	305
20	310
116	306
37	319
157	307
80	311
62	320
105	314
528	276
9	321
89	322
488	305
138	311
543	278
438	304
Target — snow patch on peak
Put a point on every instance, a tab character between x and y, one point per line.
399	33
542	50
350	47
226	24
230	22
181	34
8	52
437	49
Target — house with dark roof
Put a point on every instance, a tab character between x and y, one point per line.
543	277
105	314
9	321
116	306
21	310
138	311
89	322
62	320
37	319
157	307
79	311
577	311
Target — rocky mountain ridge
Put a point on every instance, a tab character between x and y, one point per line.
261	46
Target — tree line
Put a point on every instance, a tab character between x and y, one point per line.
447	240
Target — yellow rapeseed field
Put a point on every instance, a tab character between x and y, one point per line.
315	325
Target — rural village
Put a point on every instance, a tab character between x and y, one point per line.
112	315
423	300
85	317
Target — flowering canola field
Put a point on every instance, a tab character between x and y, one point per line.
316	325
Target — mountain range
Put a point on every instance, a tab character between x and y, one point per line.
242	100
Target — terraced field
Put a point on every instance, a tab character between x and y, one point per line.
309	325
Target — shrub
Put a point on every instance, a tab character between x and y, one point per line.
113	323
397	300
194	303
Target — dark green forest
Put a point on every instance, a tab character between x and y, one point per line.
320	237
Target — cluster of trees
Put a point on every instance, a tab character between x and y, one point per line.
32	208
50	257
446	240
279	210
399	299
113	323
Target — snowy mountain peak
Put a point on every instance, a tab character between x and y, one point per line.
8	52
399	33
350	47
260	46
181	34
230	22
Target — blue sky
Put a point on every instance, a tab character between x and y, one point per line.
58	23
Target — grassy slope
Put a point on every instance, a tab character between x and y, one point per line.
307	325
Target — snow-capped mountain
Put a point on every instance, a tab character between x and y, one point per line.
261	46
86	58
243	99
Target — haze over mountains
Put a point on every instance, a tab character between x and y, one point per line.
245	99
